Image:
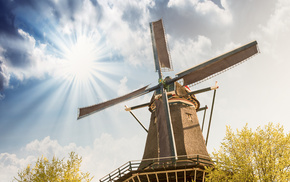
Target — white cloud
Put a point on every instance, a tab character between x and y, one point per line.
228	47
4	75
207	8
35	61
82	20
275	33
121	26
125	25
181	3
187	53
2	96
105	155
122	88
216	14
10	164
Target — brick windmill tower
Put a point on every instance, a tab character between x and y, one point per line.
175	148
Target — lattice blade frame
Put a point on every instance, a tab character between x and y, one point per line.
160	49
85	111
216	65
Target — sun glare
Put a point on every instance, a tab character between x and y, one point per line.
81	59
84	67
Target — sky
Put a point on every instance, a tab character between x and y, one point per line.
59	55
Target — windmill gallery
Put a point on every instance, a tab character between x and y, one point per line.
175	148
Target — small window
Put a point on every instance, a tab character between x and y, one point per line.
155	120
189	116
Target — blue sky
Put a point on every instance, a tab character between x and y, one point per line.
59	55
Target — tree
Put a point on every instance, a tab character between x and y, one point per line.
261	155
55	171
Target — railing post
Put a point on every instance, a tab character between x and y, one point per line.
119	172
130	167
110	177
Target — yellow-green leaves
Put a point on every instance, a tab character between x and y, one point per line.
55	170
261	155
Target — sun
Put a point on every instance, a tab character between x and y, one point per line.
81	59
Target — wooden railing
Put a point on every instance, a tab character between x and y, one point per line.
156	163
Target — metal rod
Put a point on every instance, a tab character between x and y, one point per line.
138	121
204	89
200	91
201	109
210	117
137	107
203	118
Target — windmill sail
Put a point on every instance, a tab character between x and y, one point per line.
218	64
85	111
159	45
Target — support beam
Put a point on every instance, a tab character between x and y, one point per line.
137	107
169	124
136	119
202	108
210	117
204	113
204	89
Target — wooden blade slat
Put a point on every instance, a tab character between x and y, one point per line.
159	44
85	111
217	64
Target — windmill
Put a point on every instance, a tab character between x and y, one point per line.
175	148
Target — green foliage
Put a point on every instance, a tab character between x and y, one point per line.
55	170
261	155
